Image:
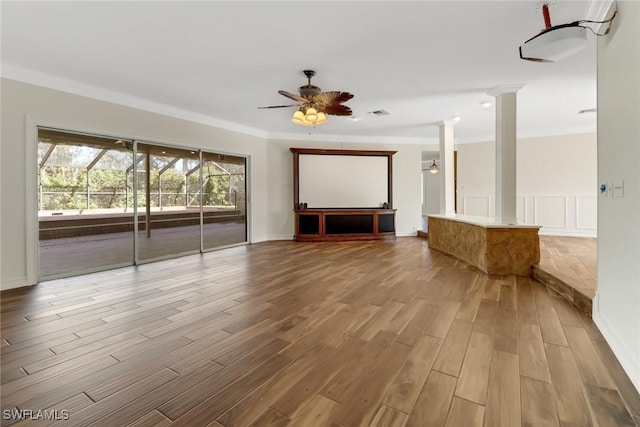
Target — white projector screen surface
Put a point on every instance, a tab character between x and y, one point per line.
342	181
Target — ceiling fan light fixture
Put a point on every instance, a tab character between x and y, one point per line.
311	115
298	118
322	118
306	122
301	117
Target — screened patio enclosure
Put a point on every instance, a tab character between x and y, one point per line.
108	202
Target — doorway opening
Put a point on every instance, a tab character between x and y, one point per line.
430	185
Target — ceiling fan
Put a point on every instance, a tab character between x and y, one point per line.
314	105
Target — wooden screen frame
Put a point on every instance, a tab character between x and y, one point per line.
337	152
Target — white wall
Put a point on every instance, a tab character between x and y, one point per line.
617	306
431	196
476	179
406	183
24	106
556	182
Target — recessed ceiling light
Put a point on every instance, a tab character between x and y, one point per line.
486	104
354	118
457	119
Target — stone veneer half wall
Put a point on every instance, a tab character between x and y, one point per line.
493	249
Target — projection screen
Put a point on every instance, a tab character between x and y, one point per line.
343	181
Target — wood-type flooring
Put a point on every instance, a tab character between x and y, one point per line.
383	333
573	260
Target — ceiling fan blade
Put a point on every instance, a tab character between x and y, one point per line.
291	96
337	110
278	106
332	98
329	103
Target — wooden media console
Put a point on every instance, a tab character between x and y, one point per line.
315	225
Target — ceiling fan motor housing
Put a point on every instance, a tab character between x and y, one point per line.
309	90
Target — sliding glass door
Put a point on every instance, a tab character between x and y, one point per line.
85	210
168	202
224	200
187	201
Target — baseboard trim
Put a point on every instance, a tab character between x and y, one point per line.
14	284
625	357
278	238
410	234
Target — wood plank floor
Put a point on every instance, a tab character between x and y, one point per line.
572	260
306	334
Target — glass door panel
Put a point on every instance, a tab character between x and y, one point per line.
89	187
224	200
85	218
168	202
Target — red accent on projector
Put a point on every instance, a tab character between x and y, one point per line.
547	17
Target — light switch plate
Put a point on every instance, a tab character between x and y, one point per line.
618	189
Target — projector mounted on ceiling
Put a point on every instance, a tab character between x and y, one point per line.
557	42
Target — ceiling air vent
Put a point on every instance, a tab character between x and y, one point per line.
379	113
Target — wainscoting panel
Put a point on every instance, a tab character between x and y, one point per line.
587	213
550	211
563	212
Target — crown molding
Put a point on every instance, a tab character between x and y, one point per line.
599	10
502	89
36	78
350	138
49	81
446	123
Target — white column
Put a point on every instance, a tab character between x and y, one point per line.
447	189
506	113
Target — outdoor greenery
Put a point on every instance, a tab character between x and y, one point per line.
64	185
